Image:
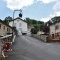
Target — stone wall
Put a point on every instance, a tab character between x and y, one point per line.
41	37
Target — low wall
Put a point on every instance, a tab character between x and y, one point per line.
45	38
41	37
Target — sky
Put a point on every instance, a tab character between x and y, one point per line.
41	10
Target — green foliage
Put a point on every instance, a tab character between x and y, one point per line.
29	22
33	31
40	22
55	19
1	58
7	19
34	21
49	23
41	26
37	24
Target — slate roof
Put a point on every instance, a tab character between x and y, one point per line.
18	18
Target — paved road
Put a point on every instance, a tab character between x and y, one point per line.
29	48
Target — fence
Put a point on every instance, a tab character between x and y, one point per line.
5	43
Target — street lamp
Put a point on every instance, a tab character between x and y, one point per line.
20	15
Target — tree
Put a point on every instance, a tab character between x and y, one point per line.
7	19
46	29
55	19
38	25
41	27
49	23
33	31
29	22
34	21
40	22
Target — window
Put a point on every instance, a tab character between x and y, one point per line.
20	24
4	27
56	27
9	30
15	24
0	25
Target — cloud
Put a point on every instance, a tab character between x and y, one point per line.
18	4
45	19
50	16
47	1
56	7
57	13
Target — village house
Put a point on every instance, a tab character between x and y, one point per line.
4	28
20	25
55	30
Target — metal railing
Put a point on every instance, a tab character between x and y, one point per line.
3	40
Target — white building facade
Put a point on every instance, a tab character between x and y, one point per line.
55	29
20	25
52	29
